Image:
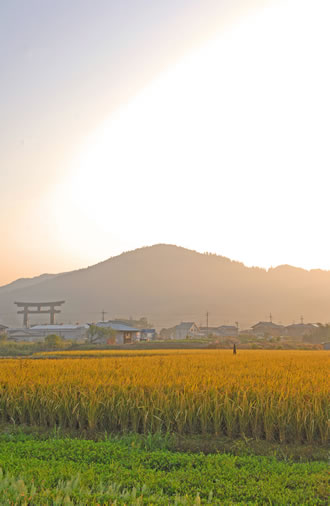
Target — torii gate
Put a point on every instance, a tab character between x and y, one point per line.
50	309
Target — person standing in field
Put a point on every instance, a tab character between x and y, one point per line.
234	349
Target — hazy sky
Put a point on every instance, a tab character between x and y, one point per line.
201	123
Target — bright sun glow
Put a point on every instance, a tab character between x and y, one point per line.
226	152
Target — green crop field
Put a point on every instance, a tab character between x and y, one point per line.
132	470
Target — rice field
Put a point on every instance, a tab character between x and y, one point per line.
273	395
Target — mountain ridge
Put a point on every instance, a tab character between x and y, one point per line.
168	283
23	282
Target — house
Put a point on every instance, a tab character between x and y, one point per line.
221	331
268	329
299	330
227	331
22	334
185	330
147	334
326	346
67	331
207	331
124	334
3	329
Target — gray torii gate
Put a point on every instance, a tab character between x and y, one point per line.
36	308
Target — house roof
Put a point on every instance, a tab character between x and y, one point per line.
59	327
302	326
20	331
220	328
120	327
3	326
186	325
270	325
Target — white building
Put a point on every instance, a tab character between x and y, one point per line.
67	331
22	334
3	329
186	330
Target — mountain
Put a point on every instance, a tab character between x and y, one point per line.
25	282
169	284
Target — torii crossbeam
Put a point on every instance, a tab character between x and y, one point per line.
49	309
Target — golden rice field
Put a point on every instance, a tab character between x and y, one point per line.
273	395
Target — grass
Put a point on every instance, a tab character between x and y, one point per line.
174	442
39	349
145	470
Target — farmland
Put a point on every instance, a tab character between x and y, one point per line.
276	396
114	427
138	470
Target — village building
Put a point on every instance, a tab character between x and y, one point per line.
221	331
300	330
23	334
268	329
326	346
208	331
123	333
227	331
3	329
66	331
186	330
147	334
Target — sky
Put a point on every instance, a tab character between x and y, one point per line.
198	123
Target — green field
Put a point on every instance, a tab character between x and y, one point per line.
145	470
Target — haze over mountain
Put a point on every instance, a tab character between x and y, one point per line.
169	284
25	283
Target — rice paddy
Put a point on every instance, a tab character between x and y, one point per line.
276	396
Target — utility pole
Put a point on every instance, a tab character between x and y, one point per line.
302	319
207	323
270	317
103	313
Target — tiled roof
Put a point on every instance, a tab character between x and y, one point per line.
121	327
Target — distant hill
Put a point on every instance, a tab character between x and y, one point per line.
25	283
168	284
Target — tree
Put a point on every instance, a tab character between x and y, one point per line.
55	341
141	323
167	333
105	334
